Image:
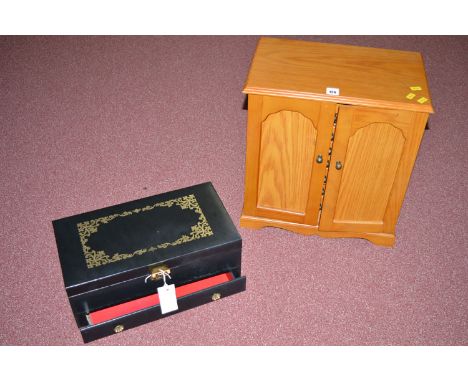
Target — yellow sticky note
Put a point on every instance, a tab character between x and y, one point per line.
414	88
422	100
410	95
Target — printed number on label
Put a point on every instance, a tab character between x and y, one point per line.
333	91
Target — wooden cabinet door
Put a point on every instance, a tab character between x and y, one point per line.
284	139
376	149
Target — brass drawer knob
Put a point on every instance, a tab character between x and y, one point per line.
119	328
339	165
319	158
216	296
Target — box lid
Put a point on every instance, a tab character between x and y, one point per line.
364	76
124	241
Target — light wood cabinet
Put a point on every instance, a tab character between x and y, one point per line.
336	165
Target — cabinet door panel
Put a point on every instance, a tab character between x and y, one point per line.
285	165
377	150
372	160
284	137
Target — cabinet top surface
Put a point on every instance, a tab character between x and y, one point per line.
364	76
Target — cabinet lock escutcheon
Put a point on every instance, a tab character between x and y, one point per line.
319	158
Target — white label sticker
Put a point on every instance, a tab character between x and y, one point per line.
167	298
333	91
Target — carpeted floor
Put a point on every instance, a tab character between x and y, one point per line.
88	122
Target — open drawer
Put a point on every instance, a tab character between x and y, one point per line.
129	315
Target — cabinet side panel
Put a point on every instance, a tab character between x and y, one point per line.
252	153
413	140
372	160
286	157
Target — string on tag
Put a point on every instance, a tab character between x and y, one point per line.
163	273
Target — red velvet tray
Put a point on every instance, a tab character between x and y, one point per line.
145	302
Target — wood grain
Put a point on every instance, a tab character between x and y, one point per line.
408	158
254	122
372	160
291	122
254	222
286	154
365	76
322	115
294	195
375	157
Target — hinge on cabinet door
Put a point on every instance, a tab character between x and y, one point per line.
325	178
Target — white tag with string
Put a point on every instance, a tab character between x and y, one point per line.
167	296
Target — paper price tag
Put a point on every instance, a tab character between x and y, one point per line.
422	100
333	91
167	298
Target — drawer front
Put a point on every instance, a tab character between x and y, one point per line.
94	332
121	292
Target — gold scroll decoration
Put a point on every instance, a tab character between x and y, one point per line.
98	258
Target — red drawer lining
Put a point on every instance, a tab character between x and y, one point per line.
115	311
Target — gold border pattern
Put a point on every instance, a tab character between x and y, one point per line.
97	258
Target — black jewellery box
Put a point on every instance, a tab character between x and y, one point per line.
113	258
